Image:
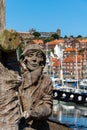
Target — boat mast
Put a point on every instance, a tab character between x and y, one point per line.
77	68
61	61
61	73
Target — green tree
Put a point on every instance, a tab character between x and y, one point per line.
47	39
79	36
65	36
71	36
36	34
55	36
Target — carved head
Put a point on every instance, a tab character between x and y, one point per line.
33	57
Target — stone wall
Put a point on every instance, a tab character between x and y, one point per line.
2	15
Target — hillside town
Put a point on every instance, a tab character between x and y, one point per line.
43	79
70	47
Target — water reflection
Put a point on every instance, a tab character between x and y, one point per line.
70	114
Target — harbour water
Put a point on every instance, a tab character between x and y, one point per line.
70	114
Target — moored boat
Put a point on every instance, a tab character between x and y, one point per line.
83	84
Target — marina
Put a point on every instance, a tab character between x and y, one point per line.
66	65
83	84
74	116
69	90
70	102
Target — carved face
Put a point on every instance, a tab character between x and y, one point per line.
34	59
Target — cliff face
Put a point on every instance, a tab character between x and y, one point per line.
2	15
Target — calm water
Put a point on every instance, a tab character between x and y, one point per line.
70	114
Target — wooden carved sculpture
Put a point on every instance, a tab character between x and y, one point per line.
9	106
36	89
9	82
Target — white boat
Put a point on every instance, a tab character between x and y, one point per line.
67	105
56	83
55	105
83	84
83	109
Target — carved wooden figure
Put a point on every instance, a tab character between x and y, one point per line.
9	81
36	89
9	107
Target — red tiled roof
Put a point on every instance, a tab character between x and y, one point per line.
73	59
54	59
82	40
69	59
38	41
70	49
56	41
55	62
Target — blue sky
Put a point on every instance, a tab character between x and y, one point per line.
70	16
